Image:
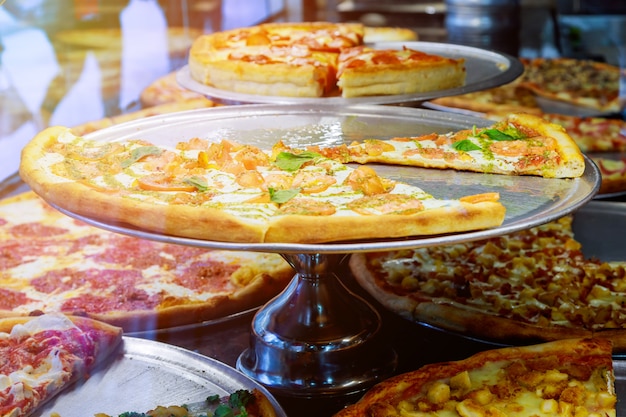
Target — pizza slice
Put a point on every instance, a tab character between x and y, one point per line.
224	191
521	144
365	71
291	71
43	355
567	377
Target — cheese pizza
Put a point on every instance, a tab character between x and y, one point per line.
224	191
530	285
308	60
52	263
571	377
44	355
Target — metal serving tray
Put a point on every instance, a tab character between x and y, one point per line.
529	200
484	69
145	374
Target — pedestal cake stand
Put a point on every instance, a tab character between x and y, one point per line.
317	338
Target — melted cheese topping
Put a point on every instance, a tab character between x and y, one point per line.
537	276
25	384
190	178
515	389
54	263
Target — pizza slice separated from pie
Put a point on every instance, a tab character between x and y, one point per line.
43	355
365	71
520	144
564	378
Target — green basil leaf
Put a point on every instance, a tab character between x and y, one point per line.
223	410
498	135
198	182
282	196
465	145
138	153
293	162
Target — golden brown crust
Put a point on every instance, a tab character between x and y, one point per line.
572	163
428	222
388	34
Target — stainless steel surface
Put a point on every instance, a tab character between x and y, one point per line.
303	326
619	368
530	201
328	335
485	69
145	374
601	228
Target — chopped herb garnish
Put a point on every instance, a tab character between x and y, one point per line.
240	398
138	153
213	398
465	145
198	182
292	161
282	196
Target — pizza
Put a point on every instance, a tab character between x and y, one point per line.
584	83
165	90
531	285
181	104
43	355
52	263
250	403
603	139
613	171
224	191
571	377
305	60
520	144
367	71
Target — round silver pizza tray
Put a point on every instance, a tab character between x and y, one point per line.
529	201
329	335
144	374
485	69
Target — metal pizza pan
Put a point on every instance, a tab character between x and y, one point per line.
529	201
144	374
484	69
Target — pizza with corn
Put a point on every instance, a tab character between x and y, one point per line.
531	285
572	377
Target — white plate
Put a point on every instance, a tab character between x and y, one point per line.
145	374
484	69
